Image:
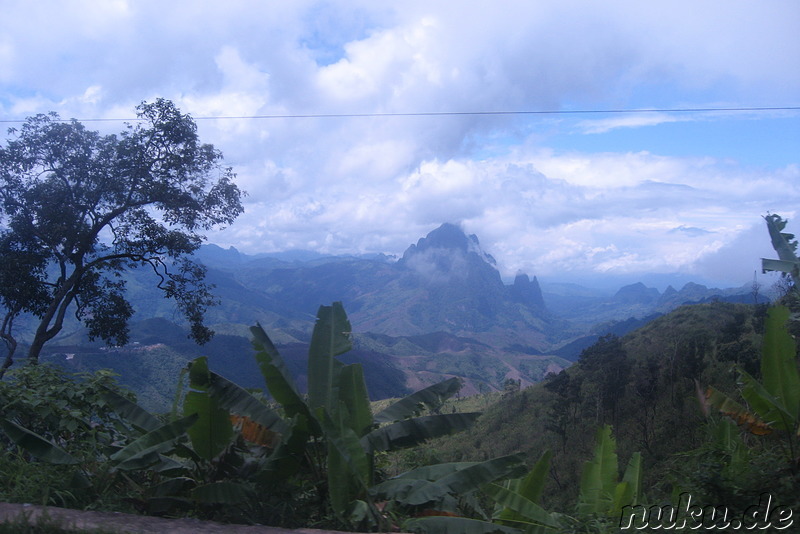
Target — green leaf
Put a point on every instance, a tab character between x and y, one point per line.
129	410
432	397
599	475
435	471
342	438
330	338
524	509
354	396
277	376
633	476
529	488
236	399
349	469
471	478
155	442
36	445
779	362
769	408
410	432
456	525
532	485
213	430
623	495
288	457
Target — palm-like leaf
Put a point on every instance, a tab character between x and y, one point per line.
37	445
409	432
432	397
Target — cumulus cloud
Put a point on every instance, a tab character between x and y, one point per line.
366	183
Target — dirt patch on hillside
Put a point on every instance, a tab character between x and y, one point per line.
133	524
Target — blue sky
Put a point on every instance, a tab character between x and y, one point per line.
576	197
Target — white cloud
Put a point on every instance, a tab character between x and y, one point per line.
366	184
599	126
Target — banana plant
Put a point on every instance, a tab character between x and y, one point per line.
601	492
774	402
786	247
335	417
518	509
518	500
435	494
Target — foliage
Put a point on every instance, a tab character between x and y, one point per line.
656	410
775	400
230	445
331	437
785	245
599	504
65	190
69	422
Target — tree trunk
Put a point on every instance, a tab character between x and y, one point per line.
36	349
11	345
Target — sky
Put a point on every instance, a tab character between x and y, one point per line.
364	125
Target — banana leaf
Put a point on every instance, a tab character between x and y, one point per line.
409	432
779	362
532	486
599	476
277	376
238	400
37	445
330	338
130	411
432	397
353	394
435	471
524	510
737	412
529	488
156	441
213	430
420	492
289	455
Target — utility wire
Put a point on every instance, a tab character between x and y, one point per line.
452	113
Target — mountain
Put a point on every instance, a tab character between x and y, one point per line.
440	310
443	283
585	308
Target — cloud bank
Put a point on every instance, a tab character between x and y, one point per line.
377	183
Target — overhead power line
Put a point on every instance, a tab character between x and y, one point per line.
452	113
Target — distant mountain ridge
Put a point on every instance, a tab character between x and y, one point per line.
440	310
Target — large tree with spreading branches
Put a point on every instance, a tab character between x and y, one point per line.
78	208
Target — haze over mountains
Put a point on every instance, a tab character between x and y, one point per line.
440	310
445	282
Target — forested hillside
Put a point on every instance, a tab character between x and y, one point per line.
650	386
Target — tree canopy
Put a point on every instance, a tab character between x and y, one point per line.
77	208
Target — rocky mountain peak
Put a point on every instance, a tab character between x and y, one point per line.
527	291
448	237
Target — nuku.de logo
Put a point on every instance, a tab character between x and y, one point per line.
686	515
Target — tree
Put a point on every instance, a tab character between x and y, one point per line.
78	208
